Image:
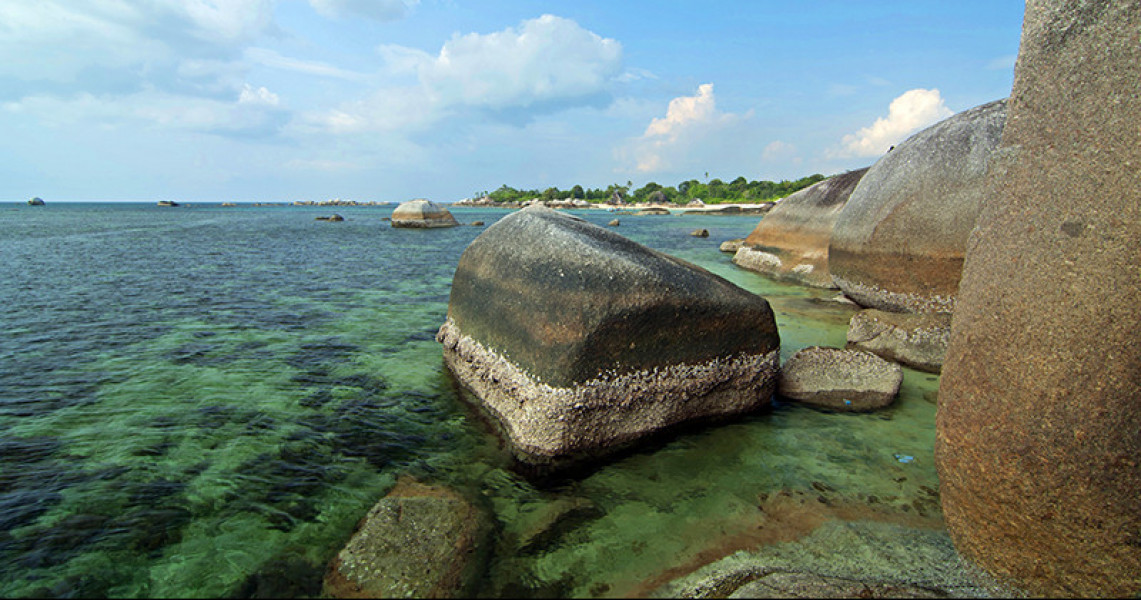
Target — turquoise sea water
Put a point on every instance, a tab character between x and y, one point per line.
203	401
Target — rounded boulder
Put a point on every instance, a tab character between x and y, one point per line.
422	214
898	243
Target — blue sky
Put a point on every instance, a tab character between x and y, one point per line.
282	100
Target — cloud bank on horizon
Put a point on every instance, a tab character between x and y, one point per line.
391	99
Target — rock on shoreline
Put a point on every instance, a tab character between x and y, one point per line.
577	340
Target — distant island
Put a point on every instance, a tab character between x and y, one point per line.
714	191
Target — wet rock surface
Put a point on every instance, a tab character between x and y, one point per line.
418	541
1039	419
791	242
898	243
916	340
840	379
576	339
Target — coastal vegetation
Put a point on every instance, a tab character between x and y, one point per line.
712	191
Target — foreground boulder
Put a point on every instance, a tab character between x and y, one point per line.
422	214
1038	430
916	340
419	541
577	340
791	242
898	243
838	379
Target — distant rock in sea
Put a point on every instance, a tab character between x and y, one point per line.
334	218
168	203
422	214
37	201
577	340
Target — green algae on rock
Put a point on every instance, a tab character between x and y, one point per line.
577	340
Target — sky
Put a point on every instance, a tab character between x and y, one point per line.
389	100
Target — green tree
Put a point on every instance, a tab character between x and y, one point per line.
577	192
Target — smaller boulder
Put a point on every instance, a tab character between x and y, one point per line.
419	541
732	246
652	211
614	223
422	214
334	217
477	223
840	379
37	201
702	233
916	340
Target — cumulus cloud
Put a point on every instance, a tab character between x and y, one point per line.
380	10
690	121
907	114
548	60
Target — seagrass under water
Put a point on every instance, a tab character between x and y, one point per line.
202	401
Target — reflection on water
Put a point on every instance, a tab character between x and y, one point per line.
203	401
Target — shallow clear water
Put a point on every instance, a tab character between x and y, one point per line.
202	401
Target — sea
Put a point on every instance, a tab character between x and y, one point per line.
204	400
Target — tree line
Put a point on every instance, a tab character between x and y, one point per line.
714	191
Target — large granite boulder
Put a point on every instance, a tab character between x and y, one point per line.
840	379
898	243
1038	430
419	541
791	242
916	340
577	340
422	214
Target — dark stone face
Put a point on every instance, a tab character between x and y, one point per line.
566	301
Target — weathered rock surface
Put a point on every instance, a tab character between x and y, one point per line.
916	340
651	212
791	242
419	541
838	560
839	379
422	214
577	340
702	233
732	246
614	223
1038	432
898	243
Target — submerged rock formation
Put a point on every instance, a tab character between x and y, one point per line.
419	541
791	242
576	339
844	380
916	340
422	214
1039	416
898	243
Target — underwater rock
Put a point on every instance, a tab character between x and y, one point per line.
839	379
419	541
422	214
898	243
791	242
577	340
1038	430
916	340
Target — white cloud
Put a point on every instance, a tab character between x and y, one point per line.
691	122
545	60
907	114
380	10
259	96
778	149
269	58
